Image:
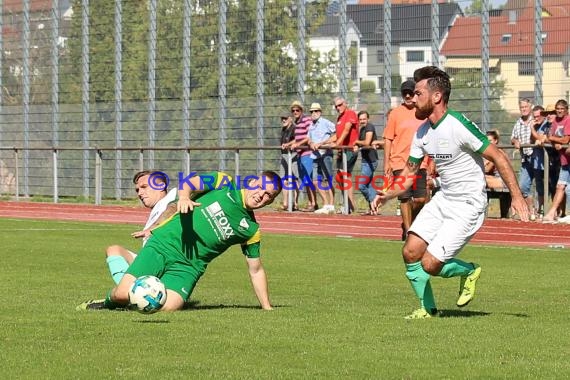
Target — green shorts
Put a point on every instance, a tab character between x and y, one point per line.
174	270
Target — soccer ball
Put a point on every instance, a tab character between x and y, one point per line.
147	294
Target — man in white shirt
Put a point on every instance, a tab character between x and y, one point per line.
456	212
151	189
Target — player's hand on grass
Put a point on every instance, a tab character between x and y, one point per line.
186	205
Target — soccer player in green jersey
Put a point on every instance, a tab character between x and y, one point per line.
212	214
447	223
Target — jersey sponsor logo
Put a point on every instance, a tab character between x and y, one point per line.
243	223
221	222
441	155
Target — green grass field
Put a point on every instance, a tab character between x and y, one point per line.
339	308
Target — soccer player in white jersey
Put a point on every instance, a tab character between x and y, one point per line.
455	213
151	189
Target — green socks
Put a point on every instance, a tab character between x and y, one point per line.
117	266
419	279
455	268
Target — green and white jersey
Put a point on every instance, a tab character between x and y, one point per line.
455	144
220	221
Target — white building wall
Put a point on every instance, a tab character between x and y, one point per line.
407	68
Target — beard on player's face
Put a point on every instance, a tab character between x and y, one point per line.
423	111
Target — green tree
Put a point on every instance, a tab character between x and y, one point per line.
476	7
466	98
280	35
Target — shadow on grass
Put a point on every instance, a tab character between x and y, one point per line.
152	321
195	305
462	314
468	313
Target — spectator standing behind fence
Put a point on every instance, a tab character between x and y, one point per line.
346	134
553	154
400	130
539	132
287	137
561	136
366	135
557	130
521	136
305	162
322	133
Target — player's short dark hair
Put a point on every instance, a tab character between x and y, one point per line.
494	134
157	176
274	178
437	80
364	113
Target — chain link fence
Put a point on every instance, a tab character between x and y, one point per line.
166	77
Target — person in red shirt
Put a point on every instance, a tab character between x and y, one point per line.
347	134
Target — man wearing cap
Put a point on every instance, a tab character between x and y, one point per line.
302	124
398	134
322	133
287	137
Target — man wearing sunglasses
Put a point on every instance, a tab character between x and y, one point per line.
346	134
400	130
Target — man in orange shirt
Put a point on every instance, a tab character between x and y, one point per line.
346	134
400	130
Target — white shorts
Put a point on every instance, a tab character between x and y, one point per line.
447	224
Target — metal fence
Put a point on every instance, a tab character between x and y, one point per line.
53	180
126	74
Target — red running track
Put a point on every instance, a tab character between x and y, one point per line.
493	232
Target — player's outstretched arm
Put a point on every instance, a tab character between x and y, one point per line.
259	282
397	185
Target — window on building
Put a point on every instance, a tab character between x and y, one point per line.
527	95
415	56
526	68
380	56
505	38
